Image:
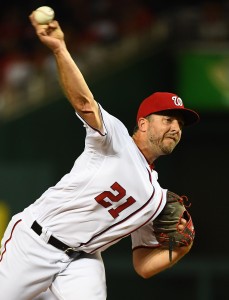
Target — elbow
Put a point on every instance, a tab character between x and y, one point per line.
146	275
147	268
144	272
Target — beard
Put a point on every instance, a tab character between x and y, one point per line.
167	149
165	146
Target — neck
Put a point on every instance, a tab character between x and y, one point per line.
147	151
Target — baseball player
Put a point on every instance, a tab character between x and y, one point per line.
111	192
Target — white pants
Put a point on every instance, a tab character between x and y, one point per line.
29	266
48	295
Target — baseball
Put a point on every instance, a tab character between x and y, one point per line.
44	15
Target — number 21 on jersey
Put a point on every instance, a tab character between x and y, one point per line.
107	200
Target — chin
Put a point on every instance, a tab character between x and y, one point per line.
167	150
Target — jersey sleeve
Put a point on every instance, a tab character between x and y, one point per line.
108	141
144	237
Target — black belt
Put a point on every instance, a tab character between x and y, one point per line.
71	252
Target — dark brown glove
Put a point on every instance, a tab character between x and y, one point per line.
166	224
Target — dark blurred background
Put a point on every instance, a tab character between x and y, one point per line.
126	50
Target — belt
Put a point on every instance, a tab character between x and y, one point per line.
71	252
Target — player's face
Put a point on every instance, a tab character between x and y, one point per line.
164	132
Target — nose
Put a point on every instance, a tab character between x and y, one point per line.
176	125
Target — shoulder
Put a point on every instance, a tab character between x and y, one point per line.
111	122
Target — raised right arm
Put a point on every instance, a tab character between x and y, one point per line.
72	80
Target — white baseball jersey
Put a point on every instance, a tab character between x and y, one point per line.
110	192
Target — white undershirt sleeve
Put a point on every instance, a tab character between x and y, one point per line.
144	237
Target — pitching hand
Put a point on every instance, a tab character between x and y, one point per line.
51	34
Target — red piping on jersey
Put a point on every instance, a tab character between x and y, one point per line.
93	127
150	176
11	234
83	244
151	165
128	218
95	236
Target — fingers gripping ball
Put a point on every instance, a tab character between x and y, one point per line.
44	15
166	228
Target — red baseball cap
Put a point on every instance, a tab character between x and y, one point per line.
163	101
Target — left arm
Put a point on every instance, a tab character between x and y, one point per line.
171	222
148	262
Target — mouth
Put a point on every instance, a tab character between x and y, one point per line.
170	137
173	138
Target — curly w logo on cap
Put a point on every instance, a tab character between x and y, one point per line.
177	101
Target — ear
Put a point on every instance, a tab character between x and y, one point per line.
143	124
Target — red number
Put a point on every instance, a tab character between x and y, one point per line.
104	197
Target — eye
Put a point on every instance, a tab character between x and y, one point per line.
168	119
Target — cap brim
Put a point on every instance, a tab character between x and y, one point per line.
190	116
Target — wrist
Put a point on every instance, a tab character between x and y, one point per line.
61	49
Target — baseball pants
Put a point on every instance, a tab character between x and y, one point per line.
29	266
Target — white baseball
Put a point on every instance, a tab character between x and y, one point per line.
44	15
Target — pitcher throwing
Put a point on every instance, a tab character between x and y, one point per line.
111	192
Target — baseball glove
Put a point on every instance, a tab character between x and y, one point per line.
165	225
